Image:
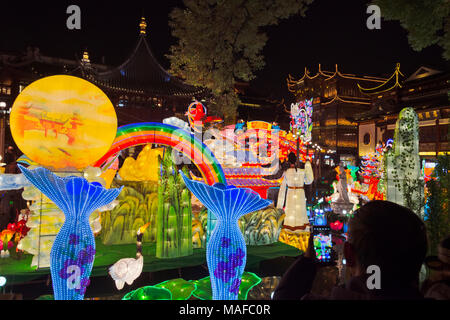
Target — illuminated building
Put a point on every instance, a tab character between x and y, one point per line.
426	91
336	97
139	88
352	114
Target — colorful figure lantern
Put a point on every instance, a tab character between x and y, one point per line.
301	115
275	127
427	170
372	173
196	113
226	251
240	127
73	252
265	141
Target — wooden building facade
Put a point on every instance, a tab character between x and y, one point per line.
352	114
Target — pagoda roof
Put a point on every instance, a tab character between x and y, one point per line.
423	72
389	84
429	98
327	76
141	74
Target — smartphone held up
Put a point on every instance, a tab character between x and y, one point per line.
322	243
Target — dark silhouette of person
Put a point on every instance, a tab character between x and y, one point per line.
382	234
437	285
10	155
10	160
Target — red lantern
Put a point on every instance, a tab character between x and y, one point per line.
337	225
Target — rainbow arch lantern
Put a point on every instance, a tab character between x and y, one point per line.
168	135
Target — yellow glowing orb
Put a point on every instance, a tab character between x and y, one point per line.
63	122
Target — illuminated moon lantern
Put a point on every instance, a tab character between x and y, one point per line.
62	122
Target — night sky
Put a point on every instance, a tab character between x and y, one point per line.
332	32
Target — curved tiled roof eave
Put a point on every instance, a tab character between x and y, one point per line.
153	81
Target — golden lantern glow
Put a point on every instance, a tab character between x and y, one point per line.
63	122
297	240
143	26
85	58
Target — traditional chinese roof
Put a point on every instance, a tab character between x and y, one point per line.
328	75
426	89
325	77
391	83
141	74
423	72
32	65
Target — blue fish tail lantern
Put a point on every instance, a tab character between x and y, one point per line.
73	251
226	252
